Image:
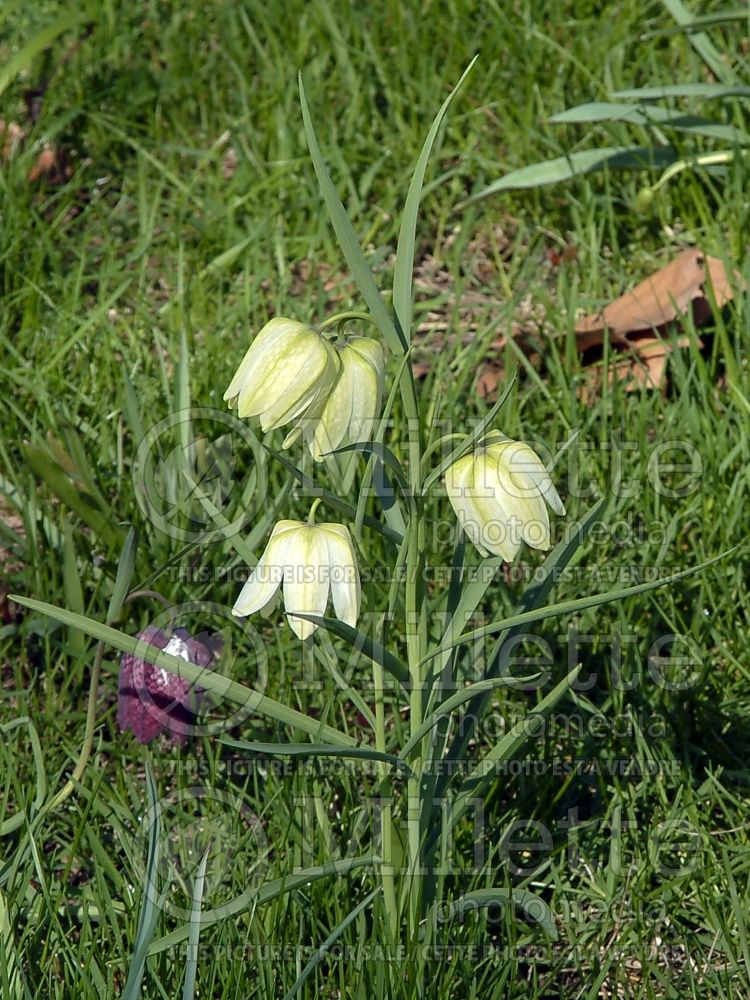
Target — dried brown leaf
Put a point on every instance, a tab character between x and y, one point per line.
659	300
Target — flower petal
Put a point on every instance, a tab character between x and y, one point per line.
287	373
498	520
263	349
345	584
458	480
517	471
330	429
264	581
316	375
307	578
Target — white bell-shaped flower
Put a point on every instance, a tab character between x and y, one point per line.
353	406
312	562
500	494
288	372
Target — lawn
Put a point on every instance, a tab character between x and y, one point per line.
159	205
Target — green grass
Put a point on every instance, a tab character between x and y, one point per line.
160	237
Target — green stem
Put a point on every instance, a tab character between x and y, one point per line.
414	429
387	868
415	631
703	160
311	516
342	317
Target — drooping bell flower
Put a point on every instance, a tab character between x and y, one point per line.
353	406
312	562
500	494
152	700
287	373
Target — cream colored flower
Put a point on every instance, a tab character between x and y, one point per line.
312	562
288	372
500	494
353	406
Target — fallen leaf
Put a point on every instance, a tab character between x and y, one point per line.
659	300
645	368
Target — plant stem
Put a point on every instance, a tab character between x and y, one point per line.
388	873
414	639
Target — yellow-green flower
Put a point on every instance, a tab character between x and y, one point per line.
287	373
313	562
352	408
500	494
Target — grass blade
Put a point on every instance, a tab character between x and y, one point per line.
318	750
403	271
191	959
21	60
701	42
532	906
267	892
335	934
576	164
150	906
573	606
348	238
359	641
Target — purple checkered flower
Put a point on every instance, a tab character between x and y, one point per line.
152	700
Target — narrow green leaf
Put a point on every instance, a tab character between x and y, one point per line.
182	393
701	42
389	501
18	820
380	451
403	270
348	239
719	19
335	502
72	586
191	958
132	409
596	111
605	111
532	906
125	567
578	604
228	257
209	680
513	740
81	504
318	750
576	164
265	894
454	701
533	597
150	905
11	984
360	642
23	58
706	91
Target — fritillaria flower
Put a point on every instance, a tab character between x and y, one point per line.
311	562
287	374
152	700
353	405
500	493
